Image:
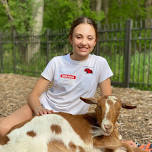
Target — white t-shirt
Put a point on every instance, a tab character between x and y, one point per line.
72	79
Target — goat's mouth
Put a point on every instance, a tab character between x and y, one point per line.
98	131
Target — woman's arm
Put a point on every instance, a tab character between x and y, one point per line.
105	87
33	98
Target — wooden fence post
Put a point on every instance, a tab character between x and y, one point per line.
127	51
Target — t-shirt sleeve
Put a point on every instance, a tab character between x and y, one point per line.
105	71
48	72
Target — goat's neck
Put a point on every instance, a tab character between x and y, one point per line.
91	118
99	141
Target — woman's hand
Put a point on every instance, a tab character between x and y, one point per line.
33	98
39	110
130	142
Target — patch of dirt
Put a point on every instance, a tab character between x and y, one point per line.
134	124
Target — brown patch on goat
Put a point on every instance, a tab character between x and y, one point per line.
57	129
31	133
83	132
72	146
81	149
57	145
4	140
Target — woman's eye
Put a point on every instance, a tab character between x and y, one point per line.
78	37
90	38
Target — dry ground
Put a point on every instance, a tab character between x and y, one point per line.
134	124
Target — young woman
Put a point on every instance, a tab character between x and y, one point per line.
73	75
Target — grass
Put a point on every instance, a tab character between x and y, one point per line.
140	69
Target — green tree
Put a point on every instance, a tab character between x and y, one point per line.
148	10
120	10
16	14
58	14
27	17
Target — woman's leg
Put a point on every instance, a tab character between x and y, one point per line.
20	115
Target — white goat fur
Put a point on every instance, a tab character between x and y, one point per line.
21	142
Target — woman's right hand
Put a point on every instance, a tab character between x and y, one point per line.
33	98
39	110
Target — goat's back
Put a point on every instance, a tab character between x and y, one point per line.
40	133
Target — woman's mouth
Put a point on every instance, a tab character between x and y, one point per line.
83	49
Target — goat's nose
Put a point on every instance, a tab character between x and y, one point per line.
107	126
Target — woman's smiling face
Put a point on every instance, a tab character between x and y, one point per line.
83	41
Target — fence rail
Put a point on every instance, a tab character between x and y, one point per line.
127	47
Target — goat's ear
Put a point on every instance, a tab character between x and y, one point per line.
89	100
128	106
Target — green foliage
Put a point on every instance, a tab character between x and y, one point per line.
140	67
59	14
122	10
21	14
140	64
86	11
3	18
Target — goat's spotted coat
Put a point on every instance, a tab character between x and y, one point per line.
61	132
42	127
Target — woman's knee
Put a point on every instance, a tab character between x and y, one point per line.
22	114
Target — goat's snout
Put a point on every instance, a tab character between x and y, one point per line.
107	128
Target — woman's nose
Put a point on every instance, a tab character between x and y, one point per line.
84	41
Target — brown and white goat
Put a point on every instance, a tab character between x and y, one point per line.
62	132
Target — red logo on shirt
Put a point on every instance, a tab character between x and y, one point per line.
68	76
87	70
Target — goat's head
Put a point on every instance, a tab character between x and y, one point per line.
107	112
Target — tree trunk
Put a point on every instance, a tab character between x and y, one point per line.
98	10
148	5
106	9
7	9
34	41
79	2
